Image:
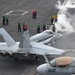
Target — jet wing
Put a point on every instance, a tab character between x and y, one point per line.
41	49
41	37
49	40
3	46
45	38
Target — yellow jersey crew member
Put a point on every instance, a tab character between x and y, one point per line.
55	18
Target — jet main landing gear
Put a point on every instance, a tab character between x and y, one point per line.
37	58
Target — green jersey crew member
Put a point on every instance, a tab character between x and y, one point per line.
38	28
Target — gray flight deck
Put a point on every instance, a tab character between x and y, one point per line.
21	11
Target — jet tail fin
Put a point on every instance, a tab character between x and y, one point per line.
25	41
8	39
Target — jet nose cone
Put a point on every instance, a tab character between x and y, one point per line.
41	69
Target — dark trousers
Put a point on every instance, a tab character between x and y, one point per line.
3	22
55	20
52	21
19	29
25	29
44	28
7	22
38	30
34	16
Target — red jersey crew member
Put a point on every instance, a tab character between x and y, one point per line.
34	14
25	27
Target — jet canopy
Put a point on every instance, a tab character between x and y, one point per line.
61	61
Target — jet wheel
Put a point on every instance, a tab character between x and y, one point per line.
37	59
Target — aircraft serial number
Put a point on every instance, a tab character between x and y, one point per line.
51	70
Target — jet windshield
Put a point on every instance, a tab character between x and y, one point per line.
53	63
61	61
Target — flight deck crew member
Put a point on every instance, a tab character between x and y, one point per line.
7	20
19	27
3	20
44	26
25	27
55	18
52	19
34	14
38	28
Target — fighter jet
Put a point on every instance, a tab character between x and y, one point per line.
25	47
58	66
45	37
